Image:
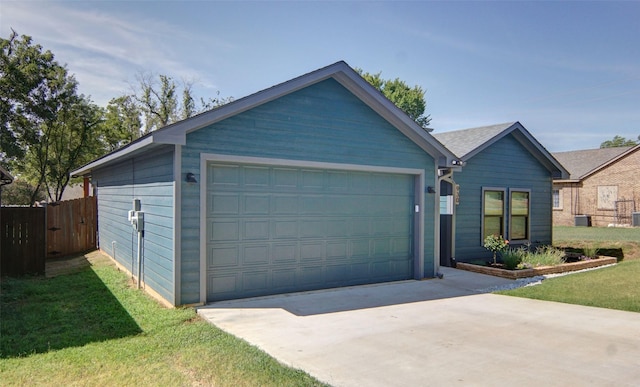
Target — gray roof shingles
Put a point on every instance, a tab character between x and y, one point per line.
581	162
462	142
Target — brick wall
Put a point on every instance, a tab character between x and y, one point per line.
578	199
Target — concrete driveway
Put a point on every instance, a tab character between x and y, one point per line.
438	333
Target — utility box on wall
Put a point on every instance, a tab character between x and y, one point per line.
583	221
635	219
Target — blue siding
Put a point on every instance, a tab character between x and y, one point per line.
505	164
323	123
150	179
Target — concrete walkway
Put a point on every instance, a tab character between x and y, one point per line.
436	333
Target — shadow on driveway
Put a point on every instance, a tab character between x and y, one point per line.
456	283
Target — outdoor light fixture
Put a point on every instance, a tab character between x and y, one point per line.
191	178
431	190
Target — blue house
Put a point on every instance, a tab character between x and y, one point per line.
314	183
504	188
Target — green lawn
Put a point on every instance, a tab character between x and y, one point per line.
93	328
625	238
615	287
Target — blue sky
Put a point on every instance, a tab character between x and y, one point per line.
568	71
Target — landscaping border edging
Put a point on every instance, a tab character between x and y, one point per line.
543	270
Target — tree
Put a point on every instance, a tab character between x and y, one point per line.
619	141
25	93
47	128
122	123
408	99
159	103
20	193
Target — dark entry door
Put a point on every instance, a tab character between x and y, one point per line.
446	223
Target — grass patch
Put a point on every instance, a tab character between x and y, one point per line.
612	287
608	240
92	328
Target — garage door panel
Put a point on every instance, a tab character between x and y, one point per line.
256	204
221	256
284	204
224	175
360	248
256	254
279	229
283	279
337	227
256	177
285	179
224	204
255	229
313	228
255	280
313	180
313	252
285	228
311	276
284	253
313	205
221	285
224	230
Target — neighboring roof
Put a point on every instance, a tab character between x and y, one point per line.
467	143
582	163
5	177
340	71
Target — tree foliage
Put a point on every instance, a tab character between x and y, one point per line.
619	141
409	99
161	101
48	129
122	122
27	93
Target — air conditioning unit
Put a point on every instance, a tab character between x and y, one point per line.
635	219
583	220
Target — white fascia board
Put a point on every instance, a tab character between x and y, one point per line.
135	146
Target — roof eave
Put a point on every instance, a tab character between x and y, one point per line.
176	133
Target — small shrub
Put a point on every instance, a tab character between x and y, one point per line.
513	257
495	243
544	256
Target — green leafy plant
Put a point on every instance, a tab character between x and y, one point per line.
495	243
512	258
590	252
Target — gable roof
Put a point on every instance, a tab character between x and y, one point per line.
340	71
467	143
583	163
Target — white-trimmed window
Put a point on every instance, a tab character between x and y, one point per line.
519	215
557	198
493	211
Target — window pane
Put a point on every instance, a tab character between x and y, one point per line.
556	198
519	227
493	203
492	226
520	203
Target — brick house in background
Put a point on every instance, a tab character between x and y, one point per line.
604	186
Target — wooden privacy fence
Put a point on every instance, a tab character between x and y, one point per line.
31	235
23	240
71	227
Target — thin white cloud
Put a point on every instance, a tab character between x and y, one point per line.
104	50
